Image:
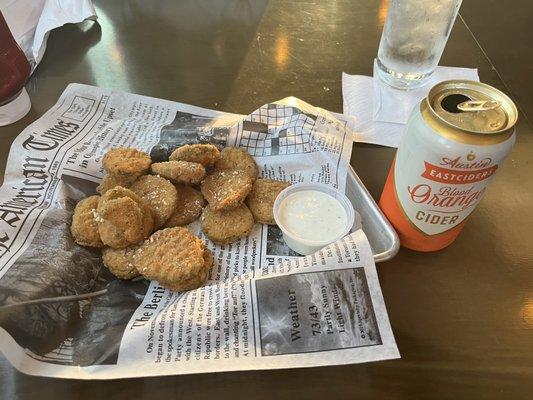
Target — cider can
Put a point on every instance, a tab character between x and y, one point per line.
455	140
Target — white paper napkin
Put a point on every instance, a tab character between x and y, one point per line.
357	102
394	105
380	111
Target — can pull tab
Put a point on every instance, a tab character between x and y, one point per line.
478	105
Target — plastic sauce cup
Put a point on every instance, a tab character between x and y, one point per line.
302	245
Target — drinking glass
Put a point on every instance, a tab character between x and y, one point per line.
413	40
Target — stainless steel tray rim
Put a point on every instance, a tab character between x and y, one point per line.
382	237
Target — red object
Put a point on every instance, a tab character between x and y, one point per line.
410	236
445	175
14	67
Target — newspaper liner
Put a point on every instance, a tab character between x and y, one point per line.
62	314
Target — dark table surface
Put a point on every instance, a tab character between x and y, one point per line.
462	317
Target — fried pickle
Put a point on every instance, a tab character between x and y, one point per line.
126	162
227	226
159	195
189	207
236	159
109	181
120	262
261	199
84	227
174	257
205	154
185	172
123	219
225	190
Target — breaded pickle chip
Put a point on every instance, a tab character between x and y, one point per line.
261	199
227	226
189	207
236	159
208	259
122	218
225	190
185	172
109	181
205	154
174	257
84	227
158	194
126	161
120	262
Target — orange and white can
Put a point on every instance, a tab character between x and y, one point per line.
454	143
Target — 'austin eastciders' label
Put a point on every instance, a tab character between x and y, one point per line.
437	192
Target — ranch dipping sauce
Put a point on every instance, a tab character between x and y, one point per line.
313	216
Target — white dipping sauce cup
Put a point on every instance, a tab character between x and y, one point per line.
304	246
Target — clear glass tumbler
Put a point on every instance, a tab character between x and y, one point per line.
413	40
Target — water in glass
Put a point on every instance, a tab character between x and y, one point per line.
413	39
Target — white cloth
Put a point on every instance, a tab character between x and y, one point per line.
31	21
381	111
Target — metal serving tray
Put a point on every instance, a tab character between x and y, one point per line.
381	235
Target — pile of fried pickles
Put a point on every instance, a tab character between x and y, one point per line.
140	215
